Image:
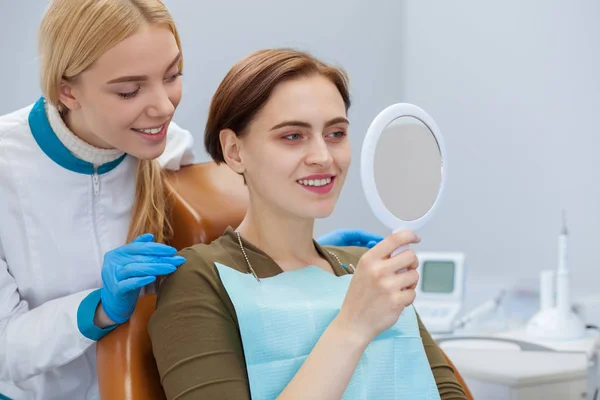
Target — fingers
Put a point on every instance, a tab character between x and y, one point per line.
361	237
148	249
387	246
371	244
175	260
371	237
132	284
136	270
403	281
146	237
404	260
404	298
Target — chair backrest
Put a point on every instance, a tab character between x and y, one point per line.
208	199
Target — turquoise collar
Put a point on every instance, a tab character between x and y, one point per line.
53	147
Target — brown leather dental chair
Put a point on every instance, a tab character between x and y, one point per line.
208	199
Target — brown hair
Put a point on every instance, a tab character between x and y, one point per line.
72	36
248	85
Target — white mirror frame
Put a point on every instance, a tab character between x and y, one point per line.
383	119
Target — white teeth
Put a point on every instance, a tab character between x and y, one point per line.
314	182
151	131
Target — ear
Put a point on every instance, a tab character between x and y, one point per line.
232	146
67	95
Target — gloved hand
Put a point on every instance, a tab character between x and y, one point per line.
130	267
350	237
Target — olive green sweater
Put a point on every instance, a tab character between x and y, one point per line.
195	333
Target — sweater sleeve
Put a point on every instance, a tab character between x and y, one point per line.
195	337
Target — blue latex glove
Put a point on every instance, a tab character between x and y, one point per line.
350	237
130	267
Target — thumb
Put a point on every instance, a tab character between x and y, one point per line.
145	238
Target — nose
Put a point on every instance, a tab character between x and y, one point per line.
318	153
161	105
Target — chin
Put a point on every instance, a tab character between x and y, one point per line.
148	153
322	215
322	211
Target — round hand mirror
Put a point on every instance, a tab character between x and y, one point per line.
403	167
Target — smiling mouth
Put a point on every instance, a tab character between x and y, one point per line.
315	182
150	131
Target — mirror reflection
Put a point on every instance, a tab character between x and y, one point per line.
408	168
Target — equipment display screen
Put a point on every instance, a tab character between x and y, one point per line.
437	277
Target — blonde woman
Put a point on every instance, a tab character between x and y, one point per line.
82	207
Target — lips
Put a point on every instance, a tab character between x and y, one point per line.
315	182
320	184
152	133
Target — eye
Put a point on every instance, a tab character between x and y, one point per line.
129	95
293	136
338	135
174	76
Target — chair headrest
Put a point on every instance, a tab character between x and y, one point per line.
207	198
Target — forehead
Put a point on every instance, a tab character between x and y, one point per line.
148	51
313	98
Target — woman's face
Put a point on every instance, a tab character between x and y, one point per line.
295	153
127	98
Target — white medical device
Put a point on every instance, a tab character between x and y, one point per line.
440	291
556	319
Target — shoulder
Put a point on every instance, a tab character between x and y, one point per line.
198	273
179	150
195	285
191	285
201	257
198	267
347	254
15	121
16	142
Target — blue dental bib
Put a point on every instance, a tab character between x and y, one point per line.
281	318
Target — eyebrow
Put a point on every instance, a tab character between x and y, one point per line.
139	78
307	125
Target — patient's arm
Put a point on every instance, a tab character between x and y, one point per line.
198	349
195	338
448	385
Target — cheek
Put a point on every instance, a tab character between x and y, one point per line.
174	91
343	156
110	111
270	164
125	115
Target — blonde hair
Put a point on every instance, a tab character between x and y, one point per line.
72	36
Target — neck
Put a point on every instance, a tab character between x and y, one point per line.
287	240
74	122
79	145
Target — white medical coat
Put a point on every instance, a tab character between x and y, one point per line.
56	222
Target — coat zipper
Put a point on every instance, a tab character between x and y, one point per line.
96	184
96	181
